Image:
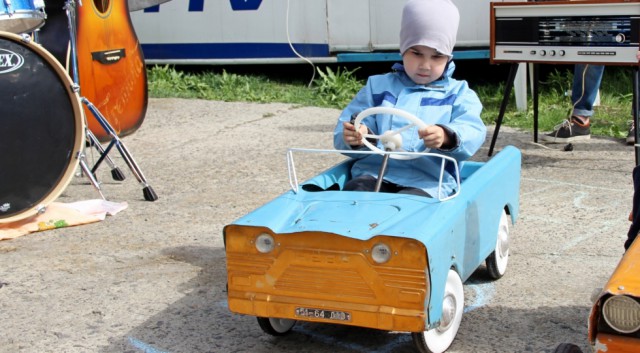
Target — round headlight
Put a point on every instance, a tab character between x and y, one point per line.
622	313
265	243
381	253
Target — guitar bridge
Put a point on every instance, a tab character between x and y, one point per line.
108	57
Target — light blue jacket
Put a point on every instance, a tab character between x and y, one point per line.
447	102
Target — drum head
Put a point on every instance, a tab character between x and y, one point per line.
21	16
41	128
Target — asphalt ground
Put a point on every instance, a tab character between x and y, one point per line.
152	278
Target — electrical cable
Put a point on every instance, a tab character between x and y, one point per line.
313	76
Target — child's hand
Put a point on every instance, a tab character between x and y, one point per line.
433	136
351	136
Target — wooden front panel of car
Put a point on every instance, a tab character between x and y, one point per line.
324	271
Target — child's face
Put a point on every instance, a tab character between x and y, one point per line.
423	64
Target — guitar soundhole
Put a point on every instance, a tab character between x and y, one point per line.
101	5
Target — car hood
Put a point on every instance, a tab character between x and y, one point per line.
359	215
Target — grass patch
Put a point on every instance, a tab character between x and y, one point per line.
335	86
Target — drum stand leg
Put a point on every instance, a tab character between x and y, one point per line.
116	173
147	190
85	169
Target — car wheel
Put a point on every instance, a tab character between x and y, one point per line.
497	261
275	326
438	339
567	348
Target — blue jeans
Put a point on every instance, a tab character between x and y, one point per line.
586	82
368	183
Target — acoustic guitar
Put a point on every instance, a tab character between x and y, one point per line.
111	69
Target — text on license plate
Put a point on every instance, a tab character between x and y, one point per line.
323	314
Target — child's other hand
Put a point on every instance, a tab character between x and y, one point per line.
433	136
351	136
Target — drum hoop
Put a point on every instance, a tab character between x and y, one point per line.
37	14
78	145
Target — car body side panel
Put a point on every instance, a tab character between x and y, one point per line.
467	230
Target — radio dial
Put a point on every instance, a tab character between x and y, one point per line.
552	52
543	52
561	53
620	38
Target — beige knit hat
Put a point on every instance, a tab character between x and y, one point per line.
433	23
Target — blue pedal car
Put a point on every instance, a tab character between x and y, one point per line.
386	261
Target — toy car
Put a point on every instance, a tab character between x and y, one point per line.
386	261
614	322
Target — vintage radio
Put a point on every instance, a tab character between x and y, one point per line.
602	32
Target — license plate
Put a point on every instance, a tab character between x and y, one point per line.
323	314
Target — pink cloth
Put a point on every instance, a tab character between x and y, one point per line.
59	215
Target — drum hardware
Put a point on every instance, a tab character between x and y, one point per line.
92	141
57	45
82	162
80	155
147	190
21	16
115	141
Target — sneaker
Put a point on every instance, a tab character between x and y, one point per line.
631	134
569	131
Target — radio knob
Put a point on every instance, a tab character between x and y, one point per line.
620	38
533	52
561	53
543	52
552	52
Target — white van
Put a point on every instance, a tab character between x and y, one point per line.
286	31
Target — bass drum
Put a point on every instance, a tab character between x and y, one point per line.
41	128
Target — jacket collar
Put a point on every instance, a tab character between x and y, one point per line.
442	81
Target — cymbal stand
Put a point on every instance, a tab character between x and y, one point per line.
148	192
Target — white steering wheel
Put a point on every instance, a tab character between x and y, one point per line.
391	139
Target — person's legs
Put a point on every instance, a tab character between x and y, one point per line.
586	83
361	183
413	191
368	183
635	210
